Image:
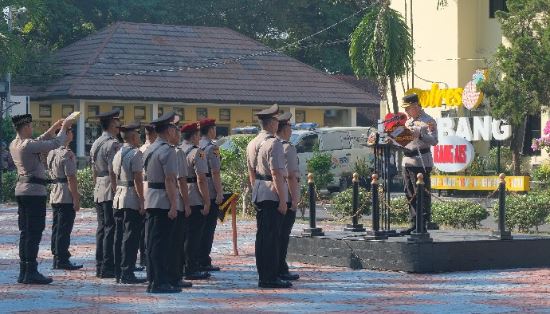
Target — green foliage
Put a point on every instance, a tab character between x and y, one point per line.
343	203
9	179
86	187
362	168
8	132
320	165
234	172
524	212
399	212
542	173
487	165
459	213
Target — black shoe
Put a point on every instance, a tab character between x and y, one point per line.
22	271
408	231
182	284
198	275
54	266
140	268
107	274
278	283
164	288
208	268
132	280
67	265
289	276
36	278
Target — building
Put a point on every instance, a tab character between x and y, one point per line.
147	69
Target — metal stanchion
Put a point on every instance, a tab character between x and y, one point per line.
312	230
355	225
375	233
502	234
420	234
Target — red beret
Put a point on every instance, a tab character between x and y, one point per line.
207	122
190	127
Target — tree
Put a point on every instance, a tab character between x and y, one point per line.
518	78
381	48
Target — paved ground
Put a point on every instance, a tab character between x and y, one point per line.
234	290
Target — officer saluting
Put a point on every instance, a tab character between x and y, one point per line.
128	203
199	199
161	169
418	156
266	169
215	190
30	190
284	132
65	201
102	153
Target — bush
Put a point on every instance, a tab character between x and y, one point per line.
343	203
542	173
399	211
320	164
86	187
458	214
9	179
527	211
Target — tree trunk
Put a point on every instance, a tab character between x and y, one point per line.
518	138
394	95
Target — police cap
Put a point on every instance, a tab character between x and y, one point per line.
114	114
130	127
408	100
268	113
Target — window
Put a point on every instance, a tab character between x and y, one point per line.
300	116
121	108
532	131
160	111
139	113
307	144
180	111
66	110
496	5
93	111
45	111
225	114
202	113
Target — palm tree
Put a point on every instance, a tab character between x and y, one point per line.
381	48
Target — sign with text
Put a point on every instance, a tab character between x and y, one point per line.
485	128
452	154
479	183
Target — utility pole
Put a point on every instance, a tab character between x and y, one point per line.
3	110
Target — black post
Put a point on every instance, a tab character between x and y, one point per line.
355	226
375	233
420	234
502	234
498	156
312	230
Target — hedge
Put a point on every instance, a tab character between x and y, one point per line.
458	214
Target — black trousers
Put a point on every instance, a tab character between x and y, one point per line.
286	229
268	240
105	236
62	226
142	241
158	227
127	233
193	234
409	176
175	259
207	239
31	222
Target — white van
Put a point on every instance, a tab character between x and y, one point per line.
345	144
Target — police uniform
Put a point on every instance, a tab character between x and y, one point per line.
418	157
30	193
196	165
265	153
212	152
62	164
142	250
102	153
126	203
292	167
159	161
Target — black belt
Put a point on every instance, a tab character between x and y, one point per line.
34	180
102	174
128	184
156	185
413	153
60	180
264	177
208	175
192	180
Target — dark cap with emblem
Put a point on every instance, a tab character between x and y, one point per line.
206	122
284	118
114	114
21	119
408	100
150	128
130	127
268	113
190	127
166	119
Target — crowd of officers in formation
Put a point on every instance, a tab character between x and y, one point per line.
161	198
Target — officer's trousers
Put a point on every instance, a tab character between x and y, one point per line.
105	236
193	233
268	237
175	260
409	176
31	222
127	233
286	229
142	241
207	239
62	226
158	227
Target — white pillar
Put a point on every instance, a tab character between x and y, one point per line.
353	116
293	112
80	149
155	111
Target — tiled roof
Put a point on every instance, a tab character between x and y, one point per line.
154	62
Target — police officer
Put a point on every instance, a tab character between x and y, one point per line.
65	201
417	155
215	190
161	169
199	200
30	190
128	203
266	168
284	132
150	137
102	153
